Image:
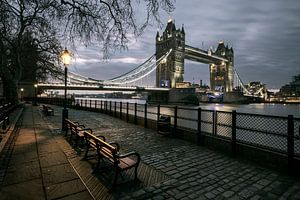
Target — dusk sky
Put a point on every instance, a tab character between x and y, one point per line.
265	36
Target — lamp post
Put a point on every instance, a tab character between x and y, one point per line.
35	94
66	58
22	90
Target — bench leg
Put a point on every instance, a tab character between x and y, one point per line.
76	142
86	151
115	179
135	173
66	133
98	161
70	138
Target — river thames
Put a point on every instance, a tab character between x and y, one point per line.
255	108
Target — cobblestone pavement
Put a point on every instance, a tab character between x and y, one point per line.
193	172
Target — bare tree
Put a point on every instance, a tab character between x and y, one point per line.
49	22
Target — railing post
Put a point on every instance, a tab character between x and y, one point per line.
4	125
214	123
85	104
110	113
100	105
290	144
233	134
175	119
135	113
80	103
115	111
145	116
158	114
127	112
106	107
199	127
90	104
96	102
121	109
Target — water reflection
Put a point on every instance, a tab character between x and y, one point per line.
259	108
255	108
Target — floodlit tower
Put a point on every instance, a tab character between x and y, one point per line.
171	70
222	74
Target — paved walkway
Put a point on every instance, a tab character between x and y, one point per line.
38	168
43	163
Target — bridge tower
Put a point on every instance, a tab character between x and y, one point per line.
222	73
171	70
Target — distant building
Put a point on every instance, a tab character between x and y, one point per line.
183	85
292	89
257	89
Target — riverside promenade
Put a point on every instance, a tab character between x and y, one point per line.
41	164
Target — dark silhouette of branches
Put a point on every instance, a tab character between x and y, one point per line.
49	23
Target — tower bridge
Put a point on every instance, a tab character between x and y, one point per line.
171	71
167	65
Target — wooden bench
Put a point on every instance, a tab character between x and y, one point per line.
48	110
4	122
111	153
76	131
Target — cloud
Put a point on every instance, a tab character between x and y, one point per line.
264	36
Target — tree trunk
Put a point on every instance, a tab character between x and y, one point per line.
10	90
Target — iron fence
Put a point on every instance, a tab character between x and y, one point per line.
278	134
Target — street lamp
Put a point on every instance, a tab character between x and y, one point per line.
66	59
22	90
35	94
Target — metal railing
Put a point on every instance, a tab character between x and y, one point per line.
278	134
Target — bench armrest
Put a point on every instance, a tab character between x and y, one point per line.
87	129
114	144
135	154
101	137
81	126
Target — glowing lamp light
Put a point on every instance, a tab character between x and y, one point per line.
66	57
35	85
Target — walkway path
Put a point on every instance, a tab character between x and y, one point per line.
38	168
171	168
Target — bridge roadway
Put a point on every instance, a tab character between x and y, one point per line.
101	88
43	165
199	55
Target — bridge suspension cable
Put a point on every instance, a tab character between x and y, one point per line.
135	74
139	72
245	89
